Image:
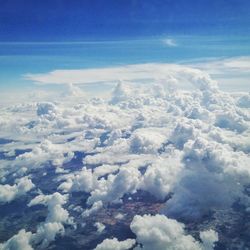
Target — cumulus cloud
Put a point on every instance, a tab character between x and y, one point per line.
120	93
225	64
43	152
160	177
105	169
46	109
209	238
20	241
184	143
115	244
115	186
57	216
160	232
146	141
228	71
94	208
84	180
99	226
244	101
54	203
8	193
210	168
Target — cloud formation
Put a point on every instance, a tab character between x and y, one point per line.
177	145
8	193
57	216
160	232
126	73
20	241
111	244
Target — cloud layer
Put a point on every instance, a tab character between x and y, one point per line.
188	149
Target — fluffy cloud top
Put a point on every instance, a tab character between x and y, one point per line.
126	73
161	233
8	193
190	145
208	238
115	244
20	241
57	216
213	171
99	226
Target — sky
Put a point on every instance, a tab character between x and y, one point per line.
29	20
42	36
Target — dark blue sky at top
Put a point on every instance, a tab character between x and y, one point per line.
56	20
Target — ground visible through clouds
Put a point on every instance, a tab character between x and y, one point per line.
154	166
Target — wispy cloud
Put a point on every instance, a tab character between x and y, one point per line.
231	73
227	71
170	42
97	75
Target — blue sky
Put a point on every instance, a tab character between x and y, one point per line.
38	36
46	20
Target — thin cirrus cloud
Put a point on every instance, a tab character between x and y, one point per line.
128	73
221	69
228	71
170	42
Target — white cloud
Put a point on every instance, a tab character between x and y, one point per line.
47	232
20	241
47	109
44	152
54	203
159	232
99	226
94	208
119	216
115	244
8	193
231	73
191	143
152	71
113	189
84	180
105	169
160	177
57	216
121	92
244	101
210	168
219	65
145	140
208	238
169	42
